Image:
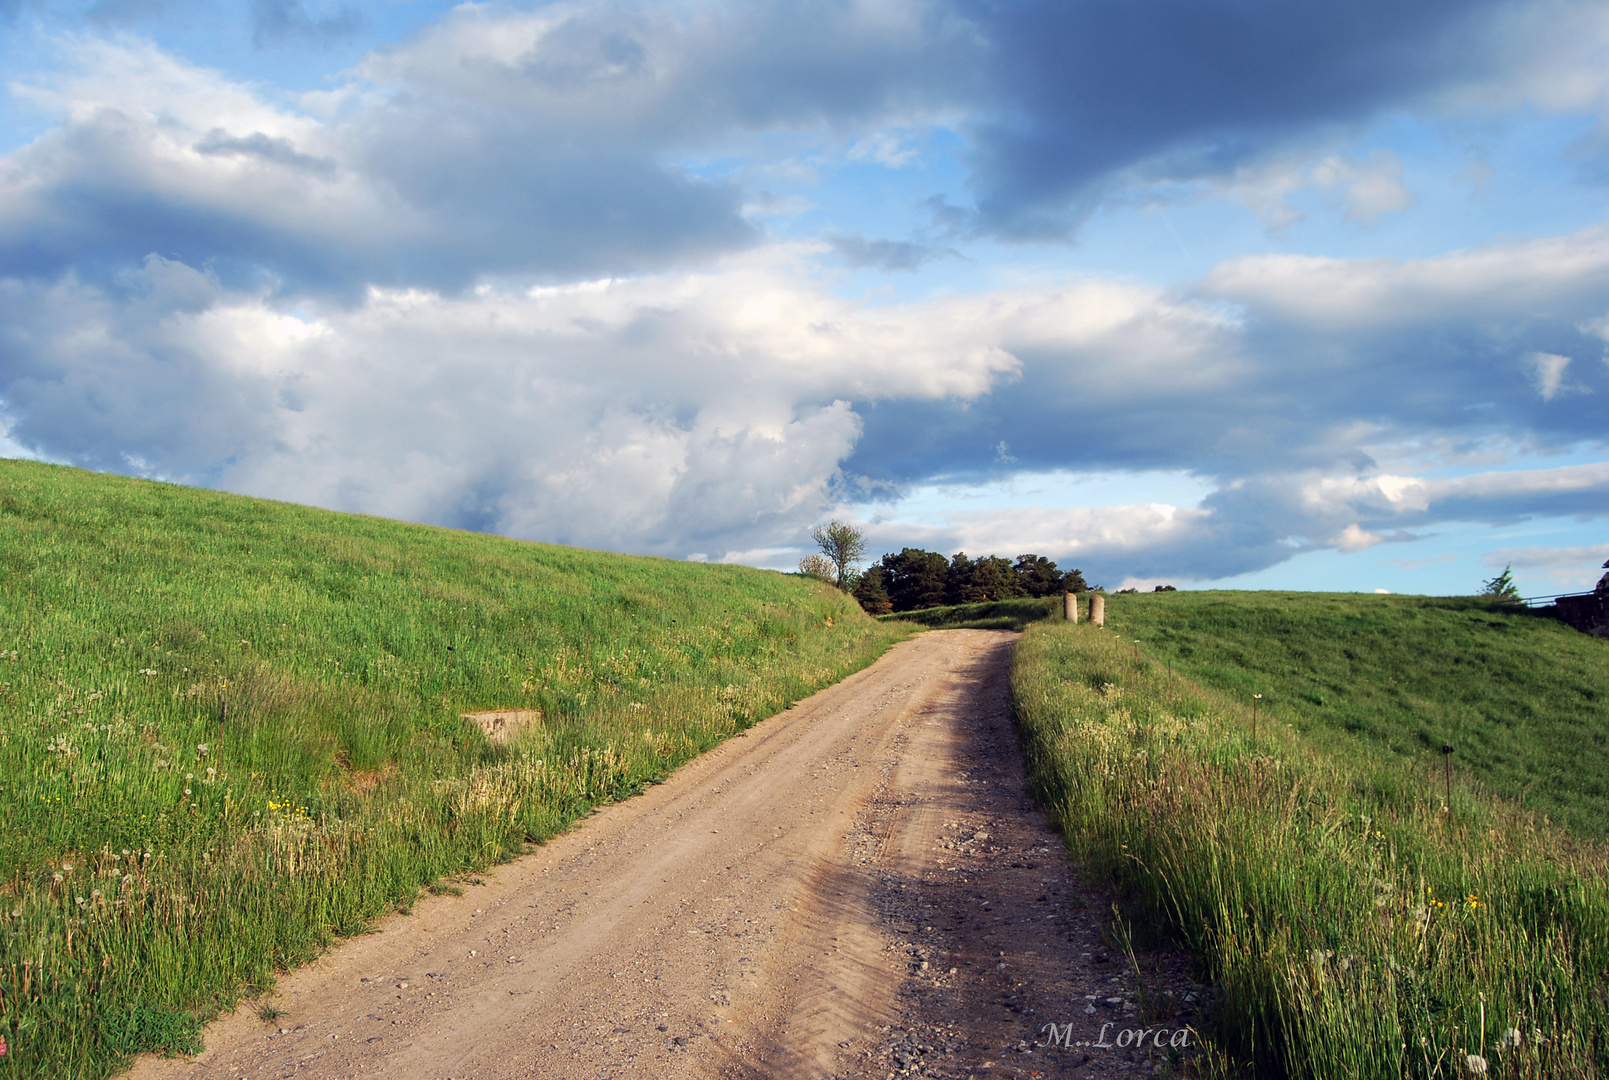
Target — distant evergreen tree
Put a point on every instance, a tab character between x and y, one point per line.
1037	576
958	581
915	578
994	579
1073	582
872	590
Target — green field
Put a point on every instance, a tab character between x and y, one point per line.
1522	699
230	731
1355	924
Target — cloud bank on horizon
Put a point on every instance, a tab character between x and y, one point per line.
1190	291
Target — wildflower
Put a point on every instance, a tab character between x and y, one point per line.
57	878
187	791
95	894
67	868
202	748
1511	1038
2	1047
189	776
147	671
81	901
1475	1065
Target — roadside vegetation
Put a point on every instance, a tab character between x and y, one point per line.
1014	614
230	730
1354	921
1521	698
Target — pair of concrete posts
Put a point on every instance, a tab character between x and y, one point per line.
1097	608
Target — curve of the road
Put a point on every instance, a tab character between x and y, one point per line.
855	887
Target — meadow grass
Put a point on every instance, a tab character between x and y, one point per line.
1354	926
1013	614
230	730
1523	699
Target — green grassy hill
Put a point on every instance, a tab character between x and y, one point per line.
1523	699
230	729
1352	921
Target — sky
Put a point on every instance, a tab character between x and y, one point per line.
1216	293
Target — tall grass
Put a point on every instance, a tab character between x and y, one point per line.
1522	698
230	730
1355	925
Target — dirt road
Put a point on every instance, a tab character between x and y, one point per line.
857	887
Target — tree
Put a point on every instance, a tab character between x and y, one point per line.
958	581
993	579
844	546
816	565
915	578
1502	586
1073	582
872	591
1037	576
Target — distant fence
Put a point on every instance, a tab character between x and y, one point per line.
1587	612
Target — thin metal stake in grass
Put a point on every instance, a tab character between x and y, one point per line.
445	675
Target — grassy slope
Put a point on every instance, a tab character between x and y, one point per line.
1524	700
995	615
1354	926
157	862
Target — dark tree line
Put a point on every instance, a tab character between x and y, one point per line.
915	579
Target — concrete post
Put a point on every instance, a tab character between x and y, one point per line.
1070	607
1097	609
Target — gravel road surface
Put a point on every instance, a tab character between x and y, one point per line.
855	887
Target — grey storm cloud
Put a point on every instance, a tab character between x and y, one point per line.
1089	90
